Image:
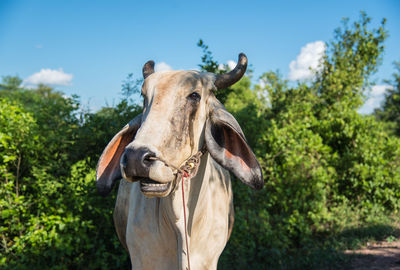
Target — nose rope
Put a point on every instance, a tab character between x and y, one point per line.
190	166
184	216
187	171
165	163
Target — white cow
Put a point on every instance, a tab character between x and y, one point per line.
180	117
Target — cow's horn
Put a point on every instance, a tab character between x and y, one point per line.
148	68
225	80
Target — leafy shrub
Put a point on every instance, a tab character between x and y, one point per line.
50	220
326	167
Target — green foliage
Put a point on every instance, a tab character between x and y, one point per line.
390	111
208	64
246	106
10	83
131	86
56	118
353	56
51	214
98	128
71	231
326	167
17	149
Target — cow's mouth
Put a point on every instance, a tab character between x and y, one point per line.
151	187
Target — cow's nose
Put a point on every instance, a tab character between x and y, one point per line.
137	162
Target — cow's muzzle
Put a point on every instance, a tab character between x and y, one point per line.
141	164
136	163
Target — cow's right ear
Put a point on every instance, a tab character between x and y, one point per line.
108	169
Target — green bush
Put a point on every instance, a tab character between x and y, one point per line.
50	220
326	167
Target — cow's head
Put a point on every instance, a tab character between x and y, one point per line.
180	115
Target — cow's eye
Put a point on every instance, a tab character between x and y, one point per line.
194	96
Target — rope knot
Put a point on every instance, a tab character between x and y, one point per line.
190	167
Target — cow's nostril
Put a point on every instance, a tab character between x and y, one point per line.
148	158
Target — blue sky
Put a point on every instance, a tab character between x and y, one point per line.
89	47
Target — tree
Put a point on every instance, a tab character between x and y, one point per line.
18	145
354	55
51	214
208	64
131	86
390	111
10	83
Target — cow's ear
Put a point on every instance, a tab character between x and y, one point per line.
227	145
108	168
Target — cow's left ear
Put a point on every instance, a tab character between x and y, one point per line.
227	145
108	169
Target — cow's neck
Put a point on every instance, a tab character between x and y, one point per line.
194	192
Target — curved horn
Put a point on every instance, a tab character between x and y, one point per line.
225	80
148	68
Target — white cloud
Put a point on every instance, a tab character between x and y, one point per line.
379	90
162	66
230	63
49	76
309	57
375	98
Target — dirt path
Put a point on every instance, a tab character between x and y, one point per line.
380	255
